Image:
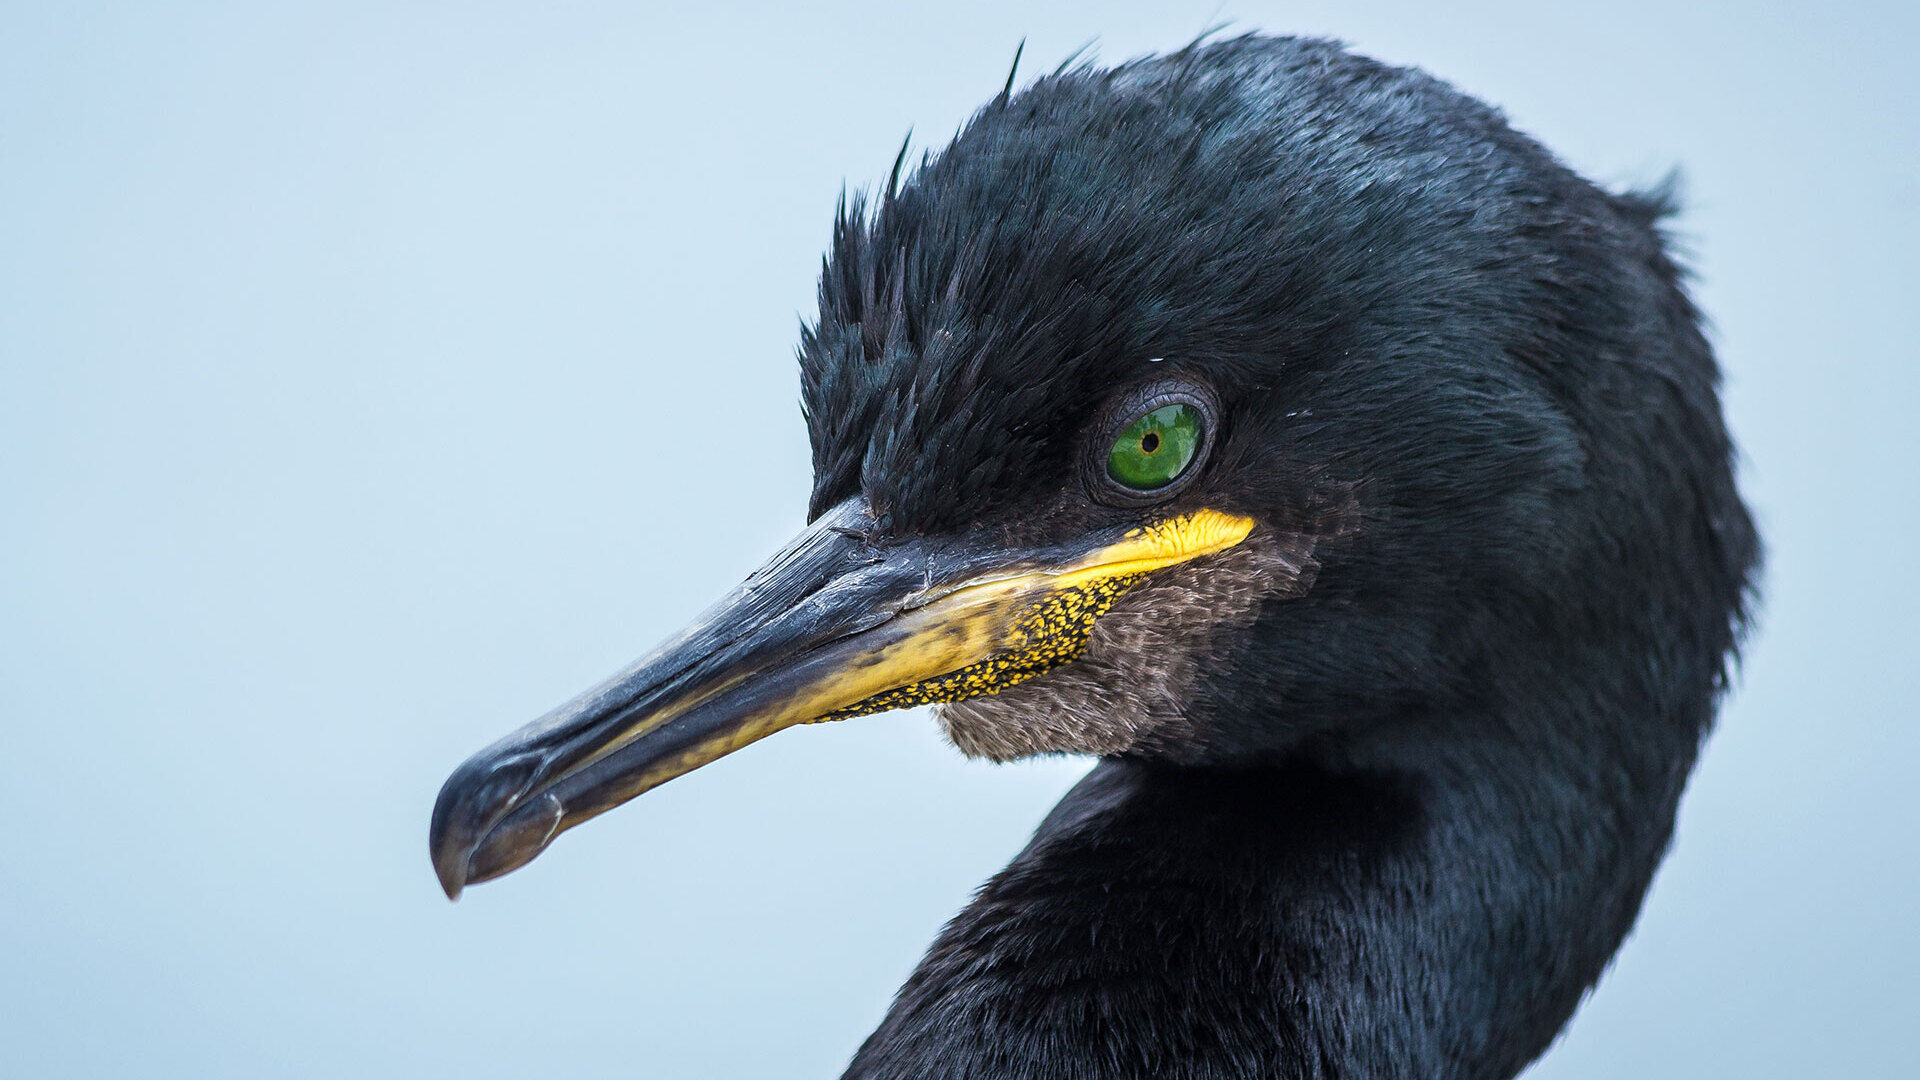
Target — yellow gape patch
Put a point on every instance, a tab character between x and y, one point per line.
1054	629
1051	632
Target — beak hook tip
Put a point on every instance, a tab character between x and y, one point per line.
453	879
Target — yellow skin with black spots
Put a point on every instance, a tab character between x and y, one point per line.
1051	632
1054	629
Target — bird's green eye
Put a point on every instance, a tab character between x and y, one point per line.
1154	450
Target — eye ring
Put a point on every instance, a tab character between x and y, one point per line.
1132	407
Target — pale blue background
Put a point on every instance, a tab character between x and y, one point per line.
337	346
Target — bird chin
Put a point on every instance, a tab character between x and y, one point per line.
1130	689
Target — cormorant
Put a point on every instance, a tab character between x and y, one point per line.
1337	466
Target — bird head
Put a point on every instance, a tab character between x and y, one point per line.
1191	410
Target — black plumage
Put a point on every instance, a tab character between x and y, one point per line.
1414	796
1437	785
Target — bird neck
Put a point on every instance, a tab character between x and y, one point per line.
1421	901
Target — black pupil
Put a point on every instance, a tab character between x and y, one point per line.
1150	441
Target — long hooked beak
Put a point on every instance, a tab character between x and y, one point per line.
829	628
